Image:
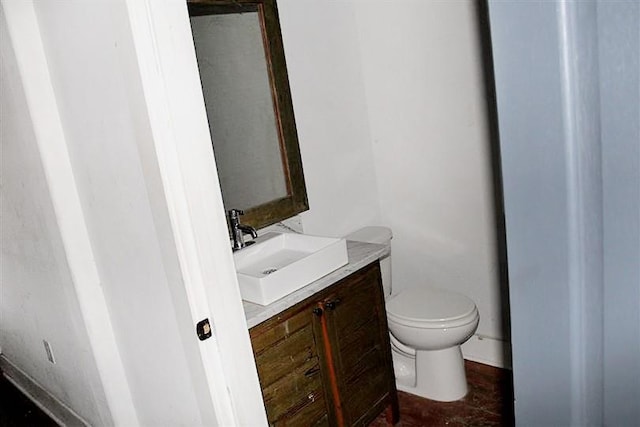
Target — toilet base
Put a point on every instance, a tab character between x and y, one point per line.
439	376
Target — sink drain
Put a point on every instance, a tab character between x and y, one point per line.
269	271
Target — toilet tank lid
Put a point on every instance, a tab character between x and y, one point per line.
380	235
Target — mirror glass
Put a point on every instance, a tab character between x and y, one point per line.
249	108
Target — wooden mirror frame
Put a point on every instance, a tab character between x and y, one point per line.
296	200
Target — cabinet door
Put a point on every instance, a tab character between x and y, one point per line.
359	345
289	369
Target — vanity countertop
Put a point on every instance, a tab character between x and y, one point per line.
360	254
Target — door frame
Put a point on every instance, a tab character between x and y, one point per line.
183	151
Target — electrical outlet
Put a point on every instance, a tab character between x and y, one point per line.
49	351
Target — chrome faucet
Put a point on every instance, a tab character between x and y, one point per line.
238	230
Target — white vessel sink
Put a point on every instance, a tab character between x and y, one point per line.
278	264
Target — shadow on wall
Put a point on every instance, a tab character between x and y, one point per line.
484	35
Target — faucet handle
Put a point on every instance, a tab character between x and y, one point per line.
234	213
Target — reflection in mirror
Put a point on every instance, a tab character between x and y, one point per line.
245	86
235	82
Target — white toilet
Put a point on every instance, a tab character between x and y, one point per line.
427	327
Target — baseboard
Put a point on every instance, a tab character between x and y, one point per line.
51	406
487	350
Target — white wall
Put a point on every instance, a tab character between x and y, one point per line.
325	73
37	295
104	117
390	108
426	101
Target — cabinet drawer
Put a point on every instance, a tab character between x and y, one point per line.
277	328
313	414
294	391
286	355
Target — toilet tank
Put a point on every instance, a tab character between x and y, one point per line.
382	236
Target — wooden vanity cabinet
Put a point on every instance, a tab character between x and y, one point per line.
327	360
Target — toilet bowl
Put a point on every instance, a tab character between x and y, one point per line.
427	326
434	323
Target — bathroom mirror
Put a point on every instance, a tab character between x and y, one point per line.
248	101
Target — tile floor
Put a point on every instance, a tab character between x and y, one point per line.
489	403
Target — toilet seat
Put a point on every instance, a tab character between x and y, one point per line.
431	308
